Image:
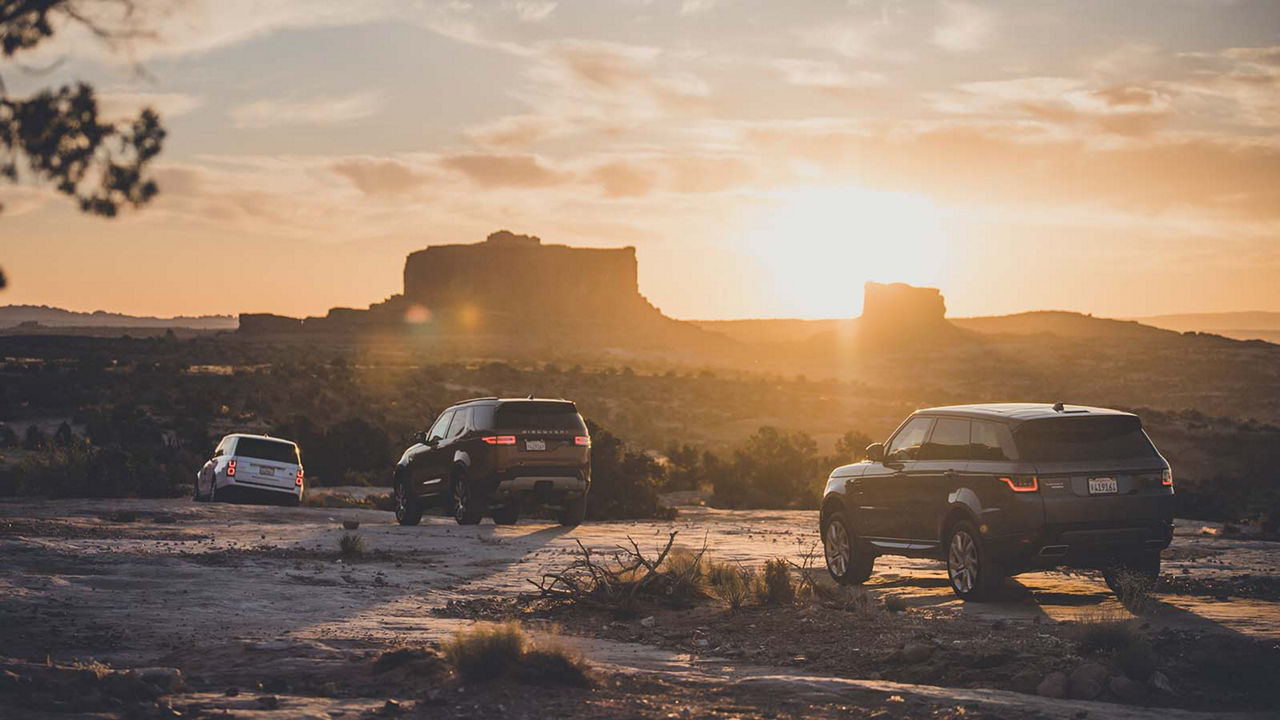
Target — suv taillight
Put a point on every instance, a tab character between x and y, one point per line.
500	439
1166	478
298	482
231	468
1021	483
582	440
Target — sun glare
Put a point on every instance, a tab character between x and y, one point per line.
819	245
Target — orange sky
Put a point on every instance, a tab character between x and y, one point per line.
764	158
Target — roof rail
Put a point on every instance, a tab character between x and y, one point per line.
471	400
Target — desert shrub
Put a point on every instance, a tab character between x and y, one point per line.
1134	590
554	665
78	469
849	599
895	603
1102	632
777	587
685	572
772	469
624	481
331	500
491	652
731	584
351	545
486	652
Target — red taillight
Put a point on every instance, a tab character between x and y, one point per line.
231	468
500	439
298	482
1166	478
1021	483
583	440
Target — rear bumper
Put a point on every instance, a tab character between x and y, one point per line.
228	483
540	482
1084	545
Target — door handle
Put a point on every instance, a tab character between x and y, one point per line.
950	474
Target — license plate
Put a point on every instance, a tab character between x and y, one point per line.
266	471
535	444
1103	486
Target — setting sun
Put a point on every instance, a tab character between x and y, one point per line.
819	245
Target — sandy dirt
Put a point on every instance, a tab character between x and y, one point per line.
224	591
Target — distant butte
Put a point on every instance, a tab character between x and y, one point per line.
509	284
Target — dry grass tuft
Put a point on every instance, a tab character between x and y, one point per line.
491	652
1099	631
731	584
1134	591
895	603
777	587
351	545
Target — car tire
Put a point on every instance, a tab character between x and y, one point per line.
508	515
195	494
847	563
573	512
974	576
1146	565
213	489
467	508
408	507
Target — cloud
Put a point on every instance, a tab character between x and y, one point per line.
1128	110
532	10
985	163
623	179
517	130
825	75
118	105
493	170
695	7
315	111
379	176
964	27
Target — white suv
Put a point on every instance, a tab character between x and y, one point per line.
247	463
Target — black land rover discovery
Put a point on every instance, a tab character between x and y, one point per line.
495	456
995	490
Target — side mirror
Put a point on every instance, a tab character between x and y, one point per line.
875	452
420	438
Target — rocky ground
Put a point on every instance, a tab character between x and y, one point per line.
117	608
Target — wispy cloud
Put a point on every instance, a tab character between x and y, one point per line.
963	26
313	111
532	10
118	104
825	74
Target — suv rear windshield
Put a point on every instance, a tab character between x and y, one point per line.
1083	439
535	415
267	450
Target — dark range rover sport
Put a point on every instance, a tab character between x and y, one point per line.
495	456
995	490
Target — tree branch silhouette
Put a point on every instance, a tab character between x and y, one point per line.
57	135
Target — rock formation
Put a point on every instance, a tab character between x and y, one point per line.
508	285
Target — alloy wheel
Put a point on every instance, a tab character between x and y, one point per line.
962	561
836	547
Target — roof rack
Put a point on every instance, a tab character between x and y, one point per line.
471	400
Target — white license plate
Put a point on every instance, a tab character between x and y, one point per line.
1103	486
266	471
535	444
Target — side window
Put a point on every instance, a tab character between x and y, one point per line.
437	431
459	424
949	441
906	444
991	441
482	417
